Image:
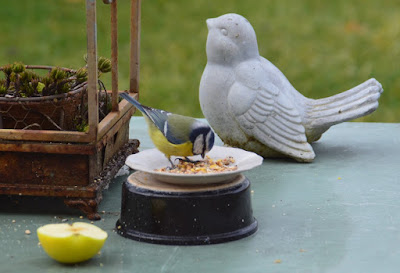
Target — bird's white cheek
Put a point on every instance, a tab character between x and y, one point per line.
198	145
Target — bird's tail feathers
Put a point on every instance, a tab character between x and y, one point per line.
158	117
137	104
354	103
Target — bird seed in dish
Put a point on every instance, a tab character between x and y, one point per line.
207	166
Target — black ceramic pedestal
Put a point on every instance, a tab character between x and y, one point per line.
162	213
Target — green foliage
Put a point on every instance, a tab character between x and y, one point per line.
57	74
81	75
323	47
104	65
82	127
22	82
8	69
18	68
3	88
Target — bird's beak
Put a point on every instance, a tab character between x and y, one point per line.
203	154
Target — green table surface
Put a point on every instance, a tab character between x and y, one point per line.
340	213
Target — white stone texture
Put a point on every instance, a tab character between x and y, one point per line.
250	103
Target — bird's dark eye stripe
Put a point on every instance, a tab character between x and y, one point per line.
205	144
209	140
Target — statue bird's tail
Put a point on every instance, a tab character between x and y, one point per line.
351	104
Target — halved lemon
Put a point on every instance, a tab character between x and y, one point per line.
71	243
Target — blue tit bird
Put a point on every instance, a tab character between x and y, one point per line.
175	135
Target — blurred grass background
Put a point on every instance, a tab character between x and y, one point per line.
323	47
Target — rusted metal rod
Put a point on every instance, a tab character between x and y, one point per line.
114	56
91	30
135	46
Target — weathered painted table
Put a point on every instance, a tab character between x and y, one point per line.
340	213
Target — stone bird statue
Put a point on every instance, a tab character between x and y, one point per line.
251	104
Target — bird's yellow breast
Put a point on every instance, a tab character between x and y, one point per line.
166	147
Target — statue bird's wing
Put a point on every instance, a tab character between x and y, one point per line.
266	114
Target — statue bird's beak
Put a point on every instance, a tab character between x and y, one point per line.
209	23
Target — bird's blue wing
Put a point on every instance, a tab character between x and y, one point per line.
158	117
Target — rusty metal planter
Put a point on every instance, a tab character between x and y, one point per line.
69	164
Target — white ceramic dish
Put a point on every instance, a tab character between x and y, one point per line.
150	160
